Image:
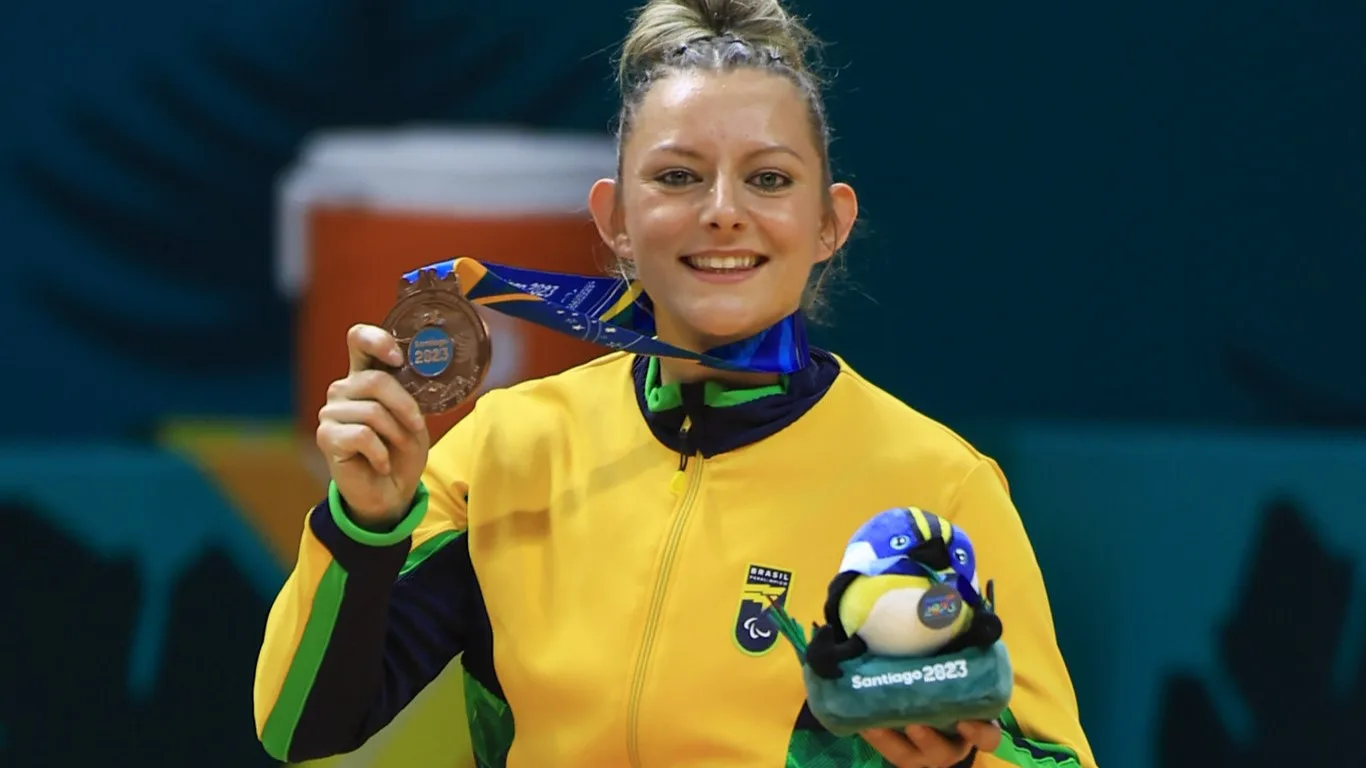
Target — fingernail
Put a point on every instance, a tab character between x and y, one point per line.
395	357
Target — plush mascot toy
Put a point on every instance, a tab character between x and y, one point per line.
910	638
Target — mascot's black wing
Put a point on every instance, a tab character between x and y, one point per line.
985	628
829	644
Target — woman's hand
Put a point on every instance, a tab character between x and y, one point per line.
372	433
923	747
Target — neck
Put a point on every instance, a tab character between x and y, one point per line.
686	371
673	371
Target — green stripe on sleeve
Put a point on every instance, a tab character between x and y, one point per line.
1028	753
428	548
491	725
303	669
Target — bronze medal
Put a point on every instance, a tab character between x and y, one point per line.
444	341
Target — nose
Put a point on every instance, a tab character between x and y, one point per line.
724	210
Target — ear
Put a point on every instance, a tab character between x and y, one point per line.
844	212
602	203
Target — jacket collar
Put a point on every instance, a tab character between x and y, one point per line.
724	419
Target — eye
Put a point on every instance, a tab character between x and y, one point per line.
770	181
676	177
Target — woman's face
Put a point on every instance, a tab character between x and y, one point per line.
721	205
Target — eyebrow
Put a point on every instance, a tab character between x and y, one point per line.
679	149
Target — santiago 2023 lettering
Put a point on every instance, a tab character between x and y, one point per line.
930	673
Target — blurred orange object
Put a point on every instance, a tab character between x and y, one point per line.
362	208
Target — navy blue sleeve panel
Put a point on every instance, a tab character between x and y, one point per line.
396	616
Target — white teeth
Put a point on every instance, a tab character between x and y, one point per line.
747	261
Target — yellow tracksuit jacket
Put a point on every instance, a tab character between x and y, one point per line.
592	545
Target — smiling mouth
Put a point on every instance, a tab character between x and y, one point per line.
724	264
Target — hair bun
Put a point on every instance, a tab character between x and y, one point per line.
662	28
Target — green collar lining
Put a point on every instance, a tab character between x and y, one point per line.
659	397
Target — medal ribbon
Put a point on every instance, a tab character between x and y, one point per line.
612	312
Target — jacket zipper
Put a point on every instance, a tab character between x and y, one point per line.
689	492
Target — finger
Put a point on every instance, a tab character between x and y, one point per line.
895	747
935	749
382	387
367	343
372	414
985	736
344	442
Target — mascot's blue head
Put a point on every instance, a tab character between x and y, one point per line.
912	542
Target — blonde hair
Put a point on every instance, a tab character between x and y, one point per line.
669	36
664	28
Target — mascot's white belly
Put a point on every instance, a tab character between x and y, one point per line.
893	627
885	611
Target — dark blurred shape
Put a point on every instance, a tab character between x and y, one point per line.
68	626
1290	399
1279	650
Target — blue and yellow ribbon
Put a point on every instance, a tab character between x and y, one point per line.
613	313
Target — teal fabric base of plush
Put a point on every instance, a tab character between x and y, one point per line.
938	691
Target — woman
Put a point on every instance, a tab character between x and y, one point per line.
584	540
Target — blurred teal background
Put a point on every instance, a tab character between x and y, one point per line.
1122	247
